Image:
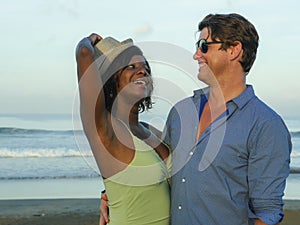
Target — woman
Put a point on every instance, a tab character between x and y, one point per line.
128	152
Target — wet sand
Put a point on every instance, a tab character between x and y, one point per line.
82	212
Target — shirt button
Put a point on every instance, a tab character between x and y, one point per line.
179	207
183	180
191	153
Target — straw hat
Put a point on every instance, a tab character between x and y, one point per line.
107	50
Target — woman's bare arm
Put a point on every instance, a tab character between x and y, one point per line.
92	104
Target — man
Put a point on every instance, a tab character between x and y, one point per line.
231	152
232	168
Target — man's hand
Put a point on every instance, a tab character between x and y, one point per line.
104	210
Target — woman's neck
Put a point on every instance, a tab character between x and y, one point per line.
128	114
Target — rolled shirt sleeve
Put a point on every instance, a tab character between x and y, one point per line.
269	159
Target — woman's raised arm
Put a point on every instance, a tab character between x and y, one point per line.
92	102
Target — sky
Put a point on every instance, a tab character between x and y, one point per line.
38	40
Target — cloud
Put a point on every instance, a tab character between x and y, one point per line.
143	30
61	8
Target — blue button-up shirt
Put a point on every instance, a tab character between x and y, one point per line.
236	171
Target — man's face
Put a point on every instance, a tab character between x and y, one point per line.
211	59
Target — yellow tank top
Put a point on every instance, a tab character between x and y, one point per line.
140	193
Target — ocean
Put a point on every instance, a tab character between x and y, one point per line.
41	158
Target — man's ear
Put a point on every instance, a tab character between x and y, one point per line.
236	51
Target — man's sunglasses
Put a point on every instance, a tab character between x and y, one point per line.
203	44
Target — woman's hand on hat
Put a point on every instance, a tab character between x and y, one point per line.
94	38
86	45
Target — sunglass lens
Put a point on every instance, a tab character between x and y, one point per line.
203	46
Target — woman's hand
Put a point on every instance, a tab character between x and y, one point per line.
94	38
86	46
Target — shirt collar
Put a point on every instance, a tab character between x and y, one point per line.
244	97
240	101
203	91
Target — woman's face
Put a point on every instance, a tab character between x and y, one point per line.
135	79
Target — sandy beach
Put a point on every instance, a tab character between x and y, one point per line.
82	212
50	211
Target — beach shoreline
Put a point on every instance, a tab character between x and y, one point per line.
82	211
